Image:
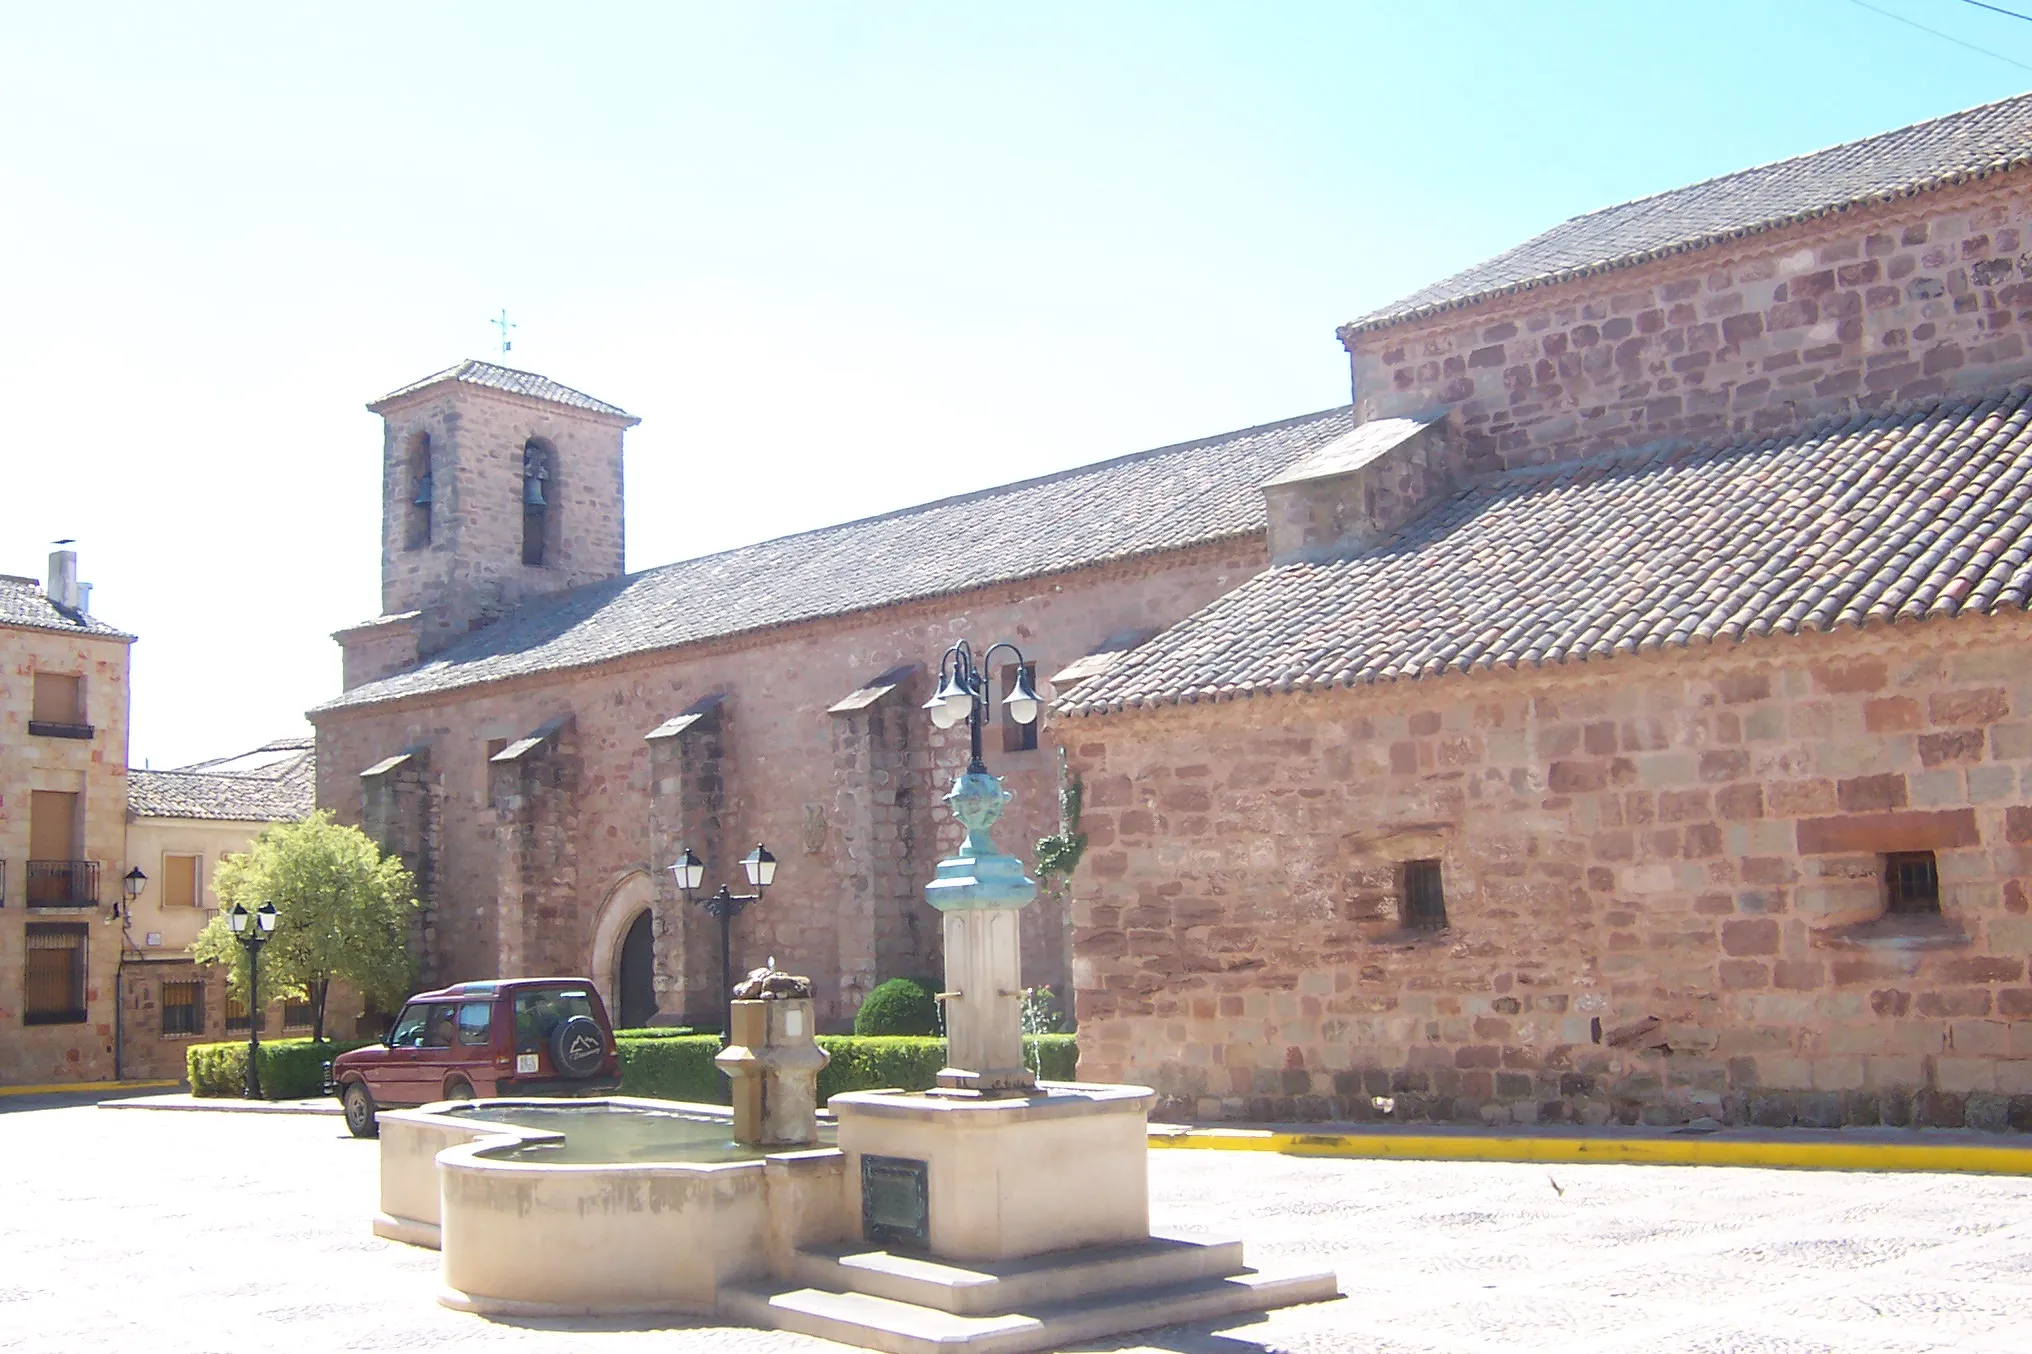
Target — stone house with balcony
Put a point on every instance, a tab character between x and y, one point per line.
1634	723
63	798
182	823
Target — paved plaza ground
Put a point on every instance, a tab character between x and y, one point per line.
230	1232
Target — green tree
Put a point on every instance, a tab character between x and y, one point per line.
343	912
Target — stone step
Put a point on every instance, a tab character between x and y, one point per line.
893	1327
985	1287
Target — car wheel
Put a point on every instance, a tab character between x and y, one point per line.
359	1105
578	1046
459	1090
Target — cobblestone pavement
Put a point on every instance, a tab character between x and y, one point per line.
231	1233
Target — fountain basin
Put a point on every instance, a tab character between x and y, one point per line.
531	1223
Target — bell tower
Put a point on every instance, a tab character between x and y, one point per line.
497	486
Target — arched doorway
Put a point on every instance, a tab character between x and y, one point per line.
637	985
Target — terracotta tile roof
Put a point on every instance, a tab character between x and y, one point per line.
1970	144
1900	517
473	372
22	603
1133	505
277	782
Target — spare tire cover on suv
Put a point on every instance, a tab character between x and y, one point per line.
578	1047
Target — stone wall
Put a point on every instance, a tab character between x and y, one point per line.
96	770
1661	873
1859	310
839	798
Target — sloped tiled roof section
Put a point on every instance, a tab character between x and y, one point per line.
1134	505
22	603
1973	143
1921	514
275	783
473	372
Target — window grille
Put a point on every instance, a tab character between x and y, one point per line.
1912	883
1424	899
295	1015
54	990
183	1007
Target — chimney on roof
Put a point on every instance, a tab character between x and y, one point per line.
62	588
1354	493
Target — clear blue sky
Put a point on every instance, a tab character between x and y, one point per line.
839	258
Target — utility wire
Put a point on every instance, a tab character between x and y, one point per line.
1995	9
1944	37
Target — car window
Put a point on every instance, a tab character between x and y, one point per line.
438	1032
540	1012
476	1022
408	1031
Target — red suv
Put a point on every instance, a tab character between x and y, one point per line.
509	1036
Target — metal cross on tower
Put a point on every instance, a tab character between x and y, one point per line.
504	324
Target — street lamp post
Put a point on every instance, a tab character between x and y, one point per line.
980	892
690	871
131	886
253	938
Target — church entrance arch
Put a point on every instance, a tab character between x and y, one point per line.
628	911
636	976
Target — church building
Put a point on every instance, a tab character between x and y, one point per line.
1622	710
540	735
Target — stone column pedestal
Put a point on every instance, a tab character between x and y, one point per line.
774	1062
980	892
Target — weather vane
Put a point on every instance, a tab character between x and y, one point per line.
504	324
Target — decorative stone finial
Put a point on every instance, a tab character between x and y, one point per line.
770	984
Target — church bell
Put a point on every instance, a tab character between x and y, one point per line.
422	499
532	492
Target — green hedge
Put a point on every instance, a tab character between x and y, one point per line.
290	1069
682	1068
660	1032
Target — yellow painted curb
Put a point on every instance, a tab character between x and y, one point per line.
1660	1151
62	1087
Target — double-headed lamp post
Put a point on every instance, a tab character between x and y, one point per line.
979	893
963	694
253	937
690	871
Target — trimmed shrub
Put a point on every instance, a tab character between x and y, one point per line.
876	1062
290	1069
661	1032
676	1067
901	1006
682	1068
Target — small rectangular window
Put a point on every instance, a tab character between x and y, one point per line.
183	1008
1423	897
57	699
295	1015
1015	737
54	991
180	881
1911	883
236	1017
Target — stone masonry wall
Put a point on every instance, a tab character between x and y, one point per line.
1661	879
96	770
1862	310
780	775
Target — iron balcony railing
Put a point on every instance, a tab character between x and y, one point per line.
49	728
63	883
